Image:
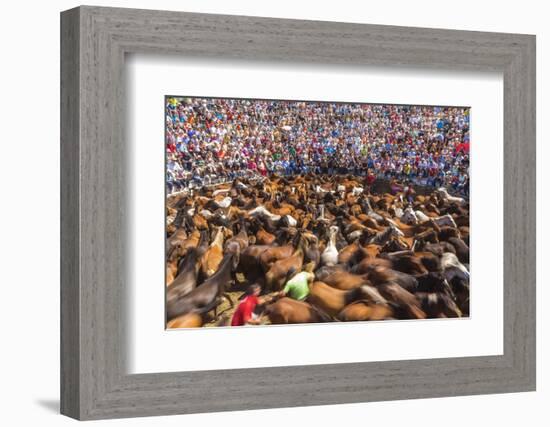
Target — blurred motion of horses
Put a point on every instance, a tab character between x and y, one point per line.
287	212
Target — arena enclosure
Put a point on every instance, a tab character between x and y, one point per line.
296	212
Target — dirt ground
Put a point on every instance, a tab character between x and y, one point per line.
225	311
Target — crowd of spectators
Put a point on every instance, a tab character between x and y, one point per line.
208	140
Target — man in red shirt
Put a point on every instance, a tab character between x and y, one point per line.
370	178
243	314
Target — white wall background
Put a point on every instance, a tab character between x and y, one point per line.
29	213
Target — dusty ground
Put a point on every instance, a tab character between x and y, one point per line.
225	311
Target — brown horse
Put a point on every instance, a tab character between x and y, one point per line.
287	310
213	256
343	280
332	300
282	270
365	310
191	320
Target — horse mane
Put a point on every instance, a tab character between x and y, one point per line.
382	235
180	217
202	245
188	257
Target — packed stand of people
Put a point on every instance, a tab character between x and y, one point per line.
211	140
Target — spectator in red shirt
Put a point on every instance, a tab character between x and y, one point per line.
370	178
243	314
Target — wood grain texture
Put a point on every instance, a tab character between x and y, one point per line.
94	238
70	291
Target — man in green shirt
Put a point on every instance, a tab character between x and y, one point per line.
298	287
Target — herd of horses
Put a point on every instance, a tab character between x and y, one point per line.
375	256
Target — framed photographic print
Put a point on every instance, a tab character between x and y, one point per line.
304	212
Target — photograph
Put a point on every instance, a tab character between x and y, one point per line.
294	212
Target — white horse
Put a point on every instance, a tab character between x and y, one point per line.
357	191
291	221
447	197
319	189
330	254
398	211
421	216
409	216
354	235
396	232
445	220
261	210
221	191
449	260
206	214
225	203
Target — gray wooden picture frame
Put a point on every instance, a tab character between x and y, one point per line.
94	41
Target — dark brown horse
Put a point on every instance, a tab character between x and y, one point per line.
208	295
